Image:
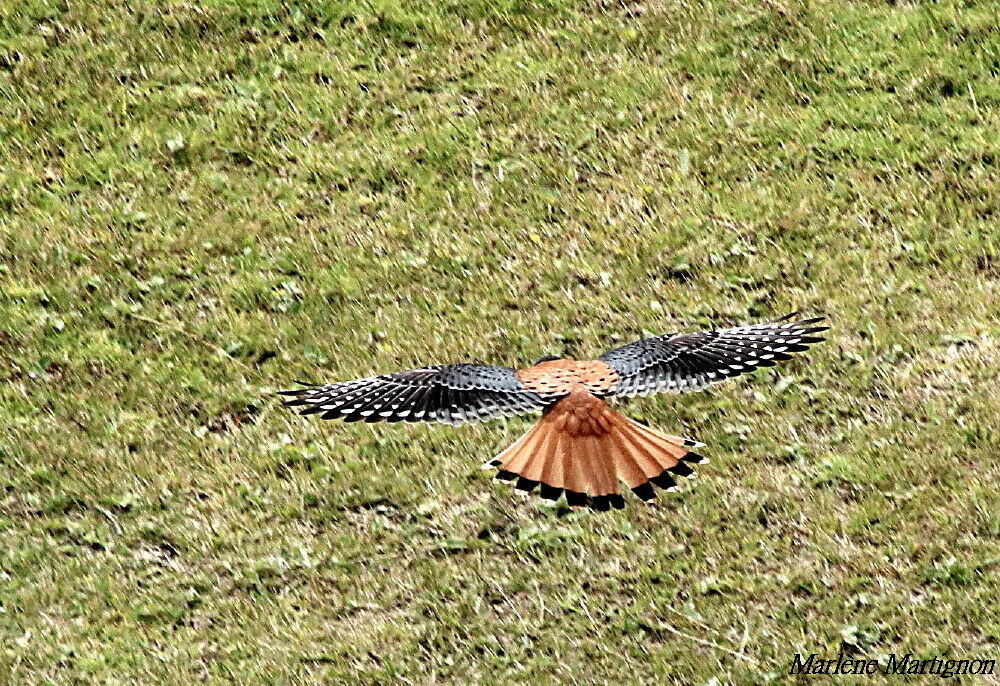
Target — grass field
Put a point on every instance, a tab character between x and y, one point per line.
200	202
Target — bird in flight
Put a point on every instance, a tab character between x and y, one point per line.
580	448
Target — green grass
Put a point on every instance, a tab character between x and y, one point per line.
199	205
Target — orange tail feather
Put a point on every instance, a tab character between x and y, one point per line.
581	448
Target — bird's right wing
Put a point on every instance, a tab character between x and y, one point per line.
690	361
451	394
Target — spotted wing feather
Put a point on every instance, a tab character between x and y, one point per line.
450	394
691	361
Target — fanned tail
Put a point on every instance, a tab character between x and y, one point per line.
580	448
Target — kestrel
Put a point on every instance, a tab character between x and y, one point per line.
580	447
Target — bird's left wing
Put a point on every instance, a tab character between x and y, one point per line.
691	361
451	394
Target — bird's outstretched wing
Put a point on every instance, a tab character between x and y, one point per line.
690	361
451	394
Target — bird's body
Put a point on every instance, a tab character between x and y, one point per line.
567	376
580	447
